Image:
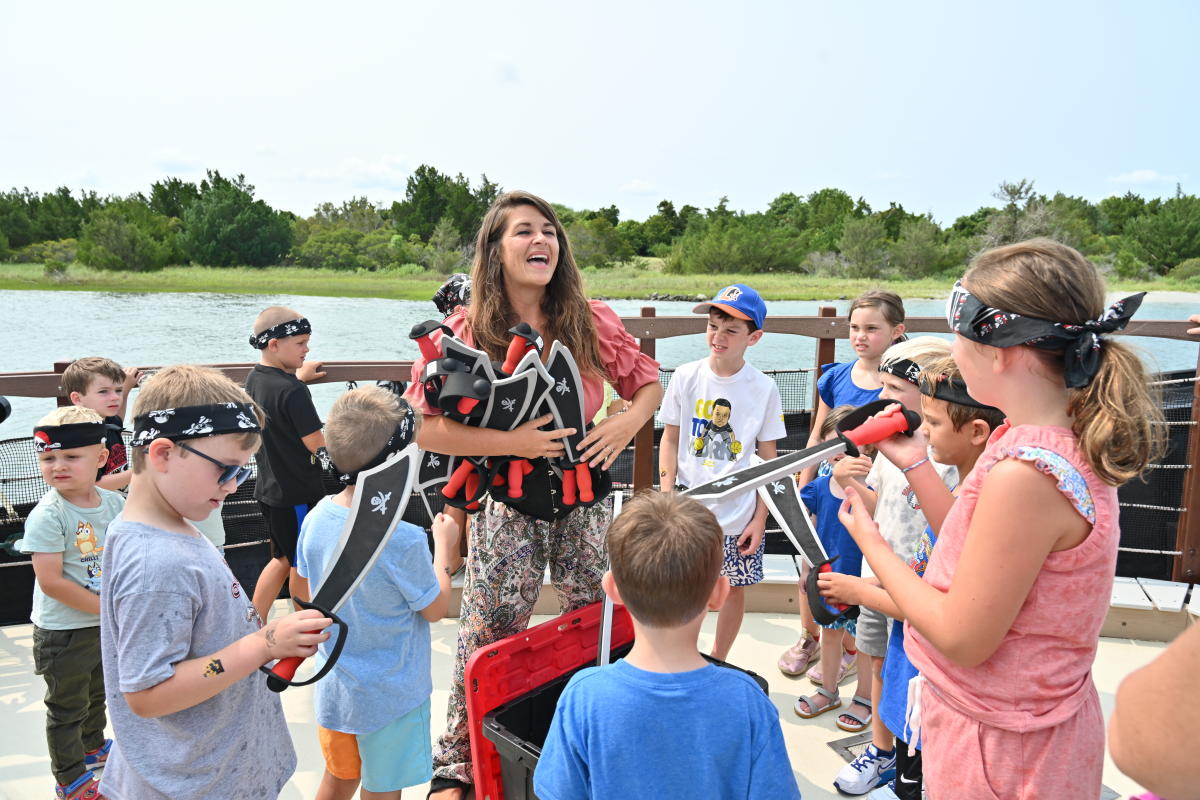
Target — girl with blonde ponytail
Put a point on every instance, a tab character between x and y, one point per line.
1005	624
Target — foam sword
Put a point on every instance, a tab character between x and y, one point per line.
379	503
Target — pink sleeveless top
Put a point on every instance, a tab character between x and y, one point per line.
1042	671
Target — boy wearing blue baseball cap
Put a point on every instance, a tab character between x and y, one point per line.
731	412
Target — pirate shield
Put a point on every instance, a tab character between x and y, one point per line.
477	361
378	506
782	498
435	469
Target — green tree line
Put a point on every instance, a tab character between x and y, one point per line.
218	222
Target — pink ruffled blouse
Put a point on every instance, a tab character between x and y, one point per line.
628	368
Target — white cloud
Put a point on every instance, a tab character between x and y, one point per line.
1143	176
637	186
386	172
172	160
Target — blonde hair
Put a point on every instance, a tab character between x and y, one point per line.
272	316
80	373
665	552
1116	416
70	414
835	415
190	385
888	303
360	424
565	307
921	350
945	369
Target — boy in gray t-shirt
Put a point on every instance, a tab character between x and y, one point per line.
181	641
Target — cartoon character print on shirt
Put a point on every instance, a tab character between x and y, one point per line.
712	435
90	553
911	497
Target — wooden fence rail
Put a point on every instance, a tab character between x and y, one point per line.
826	328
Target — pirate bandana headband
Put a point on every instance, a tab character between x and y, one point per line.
295	327
1080	343
193	422
950	389
903	368
400	439
69	436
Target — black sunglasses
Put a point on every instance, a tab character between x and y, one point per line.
229	472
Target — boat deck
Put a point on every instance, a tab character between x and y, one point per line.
24	765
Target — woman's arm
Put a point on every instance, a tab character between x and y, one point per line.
1017	521
609	438
442	435
1156	721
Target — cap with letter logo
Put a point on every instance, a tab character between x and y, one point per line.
738	300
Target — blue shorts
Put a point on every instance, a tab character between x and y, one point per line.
396	756
743	570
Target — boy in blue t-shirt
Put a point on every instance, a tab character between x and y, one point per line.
718	413
958	429
65	537
373	707
664	722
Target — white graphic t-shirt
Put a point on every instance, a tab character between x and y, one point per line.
721	421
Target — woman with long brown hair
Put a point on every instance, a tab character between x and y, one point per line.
524	272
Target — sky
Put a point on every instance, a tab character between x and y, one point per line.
930	105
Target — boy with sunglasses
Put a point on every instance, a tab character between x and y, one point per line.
180	640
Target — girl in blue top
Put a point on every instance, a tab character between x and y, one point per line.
876	322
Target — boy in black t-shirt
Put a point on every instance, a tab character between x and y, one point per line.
293	446
102	385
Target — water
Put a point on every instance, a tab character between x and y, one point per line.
38	328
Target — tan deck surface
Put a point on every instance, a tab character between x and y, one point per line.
24	765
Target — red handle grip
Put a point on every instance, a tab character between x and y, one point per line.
517	349
568	480
285	668
429	350
455	484
878	428
583	477
466	404
828	567
517	470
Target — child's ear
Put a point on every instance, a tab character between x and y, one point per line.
754	337
980	431
609	584
102	458
719	594
158	452
76	398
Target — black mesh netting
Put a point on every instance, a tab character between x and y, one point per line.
1149	509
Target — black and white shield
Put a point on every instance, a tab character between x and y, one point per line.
782	498
477	361
565	398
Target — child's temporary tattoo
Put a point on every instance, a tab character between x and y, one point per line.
213	668
270	635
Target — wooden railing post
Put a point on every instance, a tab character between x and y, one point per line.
1187	535
825	351
643	441
60	367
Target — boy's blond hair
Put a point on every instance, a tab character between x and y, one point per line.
68	415
190	385
921	350
665	552
360	424
272	316
80	373
944	369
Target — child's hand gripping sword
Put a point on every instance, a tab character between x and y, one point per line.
379	504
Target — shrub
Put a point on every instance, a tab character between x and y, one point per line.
41	252
747	245
1186	270
55	269
110	241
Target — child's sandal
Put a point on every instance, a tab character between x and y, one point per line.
862	722
835	701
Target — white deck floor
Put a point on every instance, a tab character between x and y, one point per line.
24	765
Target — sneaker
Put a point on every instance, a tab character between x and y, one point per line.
795	659
85	787
97	757
872	768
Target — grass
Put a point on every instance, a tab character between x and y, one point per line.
620	282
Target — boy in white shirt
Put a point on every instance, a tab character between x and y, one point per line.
732	412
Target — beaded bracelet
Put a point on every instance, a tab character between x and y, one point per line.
911	467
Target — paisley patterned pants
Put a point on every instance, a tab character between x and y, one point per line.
508	555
